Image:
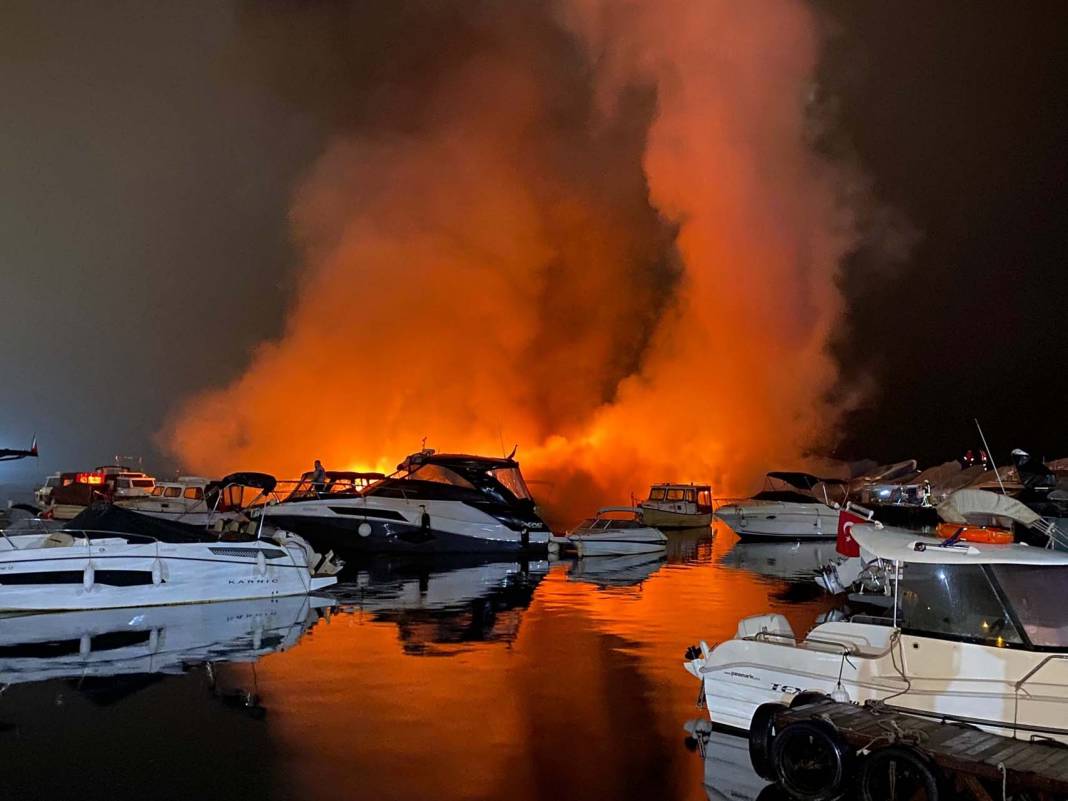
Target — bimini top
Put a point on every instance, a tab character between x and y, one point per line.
899	545
458	460
805	481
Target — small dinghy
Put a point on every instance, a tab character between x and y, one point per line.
616	531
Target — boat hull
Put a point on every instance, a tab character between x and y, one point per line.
113	573
664	518
594	546
972	683
364	535
780	521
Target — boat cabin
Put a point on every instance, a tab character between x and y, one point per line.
694	498
1007	596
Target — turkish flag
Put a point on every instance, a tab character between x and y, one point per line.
847	546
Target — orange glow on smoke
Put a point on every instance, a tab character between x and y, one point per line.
428	305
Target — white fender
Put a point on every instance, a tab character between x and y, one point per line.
261	563
157	572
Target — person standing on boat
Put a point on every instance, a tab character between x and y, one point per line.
318	477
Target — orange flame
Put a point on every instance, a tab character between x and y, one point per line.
461	284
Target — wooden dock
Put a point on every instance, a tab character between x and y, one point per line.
986	766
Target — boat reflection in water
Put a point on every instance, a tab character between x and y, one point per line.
440	604
728	773
616	571
791	561
96	644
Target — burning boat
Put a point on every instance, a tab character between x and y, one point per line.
433	503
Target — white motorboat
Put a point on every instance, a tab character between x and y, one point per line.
182	500
787	508
975	633
616	531
158	639
678	506
434	503
111	557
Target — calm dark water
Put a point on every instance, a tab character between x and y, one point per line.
451	680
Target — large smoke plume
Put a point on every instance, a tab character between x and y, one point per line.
594	228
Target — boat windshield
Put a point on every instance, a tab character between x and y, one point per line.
1036	595
440	475
954	602
513	481
658	493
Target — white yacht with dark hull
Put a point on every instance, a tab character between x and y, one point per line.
788	508
434	503
973	633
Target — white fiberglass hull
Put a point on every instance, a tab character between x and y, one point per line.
377	524
1006	691
112	573
780	520
621	542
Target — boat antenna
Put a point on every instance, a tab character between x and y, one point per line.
990	455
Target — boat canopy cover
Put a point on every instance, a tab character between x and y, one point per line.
102	518
901	545
939	474
260	481
805	481
962	503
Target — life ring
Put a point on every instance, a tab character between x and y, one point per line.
992	535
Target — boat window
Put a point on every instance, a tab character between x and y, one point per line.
1036	595
172	492
704	498
512	479
657	494
156	490
122	483
690	496
193	493
675	495
957	601
143	482
440	475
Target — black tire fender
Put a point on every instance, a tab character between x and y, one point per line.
812	761
913	773
761	737
807	697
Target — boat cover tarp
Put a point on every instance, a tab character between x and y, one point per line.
105	517
970	502
805	481
939	474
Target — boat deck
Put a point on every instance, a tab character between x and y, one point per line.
970	757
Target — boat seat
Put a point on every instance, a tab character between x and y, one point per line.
864	640
773	628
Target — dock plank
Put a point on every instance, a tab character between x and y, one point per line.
967	753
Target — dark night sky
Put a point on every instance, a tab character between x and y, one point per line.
146	178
